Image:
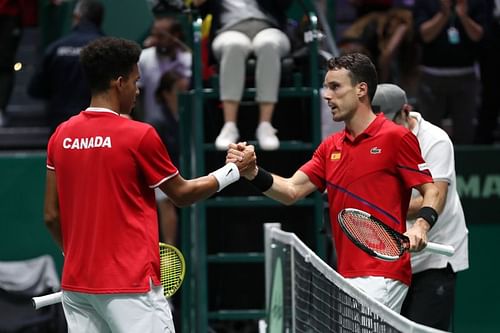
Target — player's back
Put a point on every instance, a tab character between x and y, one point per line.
106	203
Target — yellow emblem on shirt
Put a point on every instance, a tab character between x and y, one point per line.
335	156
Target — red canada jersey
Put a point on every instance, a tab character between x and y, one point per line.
373	172
106	169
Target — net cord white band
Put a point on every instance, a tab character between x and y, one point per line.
391	317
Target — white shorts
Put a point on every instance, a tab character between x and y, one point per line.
389	292
130	313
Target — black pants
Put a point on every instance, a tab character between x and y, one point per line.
431	298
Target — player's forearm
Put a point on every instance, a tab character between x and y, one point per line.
51	207
430	195
195	190
415	205
427	215
52	223
184	192
282	191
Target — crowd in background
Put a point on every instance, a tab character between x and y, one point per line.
426	47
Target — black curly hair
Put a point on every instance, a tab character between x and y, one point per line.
360	67
106	59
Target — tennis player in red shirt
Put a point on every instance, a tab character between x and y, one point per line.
100	204
372	165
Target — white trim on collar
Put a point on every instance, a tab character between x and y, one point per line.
94	109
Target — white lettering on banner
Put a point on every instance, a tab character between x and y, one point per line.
491	187
87	143
478	186
68	51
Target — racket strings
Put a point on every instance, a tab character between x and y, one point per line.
372	234
171	271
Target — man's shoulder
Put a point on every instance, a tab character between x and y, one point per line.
433	135
435	130
136	128
147	53
139	125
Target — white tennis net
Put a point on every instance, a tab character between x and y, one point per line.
304	294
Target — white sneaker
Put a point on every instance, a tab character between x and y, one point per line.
228	134
266	136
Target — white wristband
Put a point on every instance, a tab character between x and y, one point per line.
226	175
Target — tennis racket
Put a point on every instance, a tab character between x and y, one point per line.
379	240
172	271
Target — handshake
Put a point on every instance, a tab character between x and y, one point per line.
241	161
244	157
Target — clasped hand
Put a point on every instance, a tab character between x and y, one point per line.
244	157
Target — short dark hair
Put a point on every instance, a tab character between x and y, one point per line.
90	10
106	59
360	67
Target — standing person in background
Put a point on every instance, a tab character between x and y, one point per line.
166	94
449	33
359	166
490	71
100	203
59	77
167	53
241	28
431	296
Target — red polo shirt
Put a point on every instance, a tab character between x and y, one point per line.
106	168
373	172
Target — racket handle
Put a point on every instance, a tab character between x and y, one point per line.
447	250
41	301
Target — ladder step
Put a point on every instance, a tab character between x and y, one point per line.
247	257
237	314
254	201
290	145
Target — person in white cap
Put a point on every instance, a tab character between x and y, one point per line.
434	276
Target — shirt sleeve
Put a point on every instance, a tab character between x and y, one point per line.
153	159
410	164
441	160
